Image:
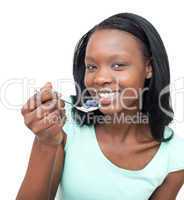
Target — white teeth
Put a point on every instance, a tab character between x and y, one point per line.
108	94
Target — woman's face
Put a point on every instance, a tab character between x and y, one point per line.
115	70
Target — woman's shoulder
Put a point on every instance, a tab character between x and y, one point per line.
175	148
176	141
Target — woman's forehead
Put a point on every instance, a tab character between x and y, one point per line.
111	42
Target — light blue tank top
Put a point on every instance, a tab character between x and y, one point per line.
89	175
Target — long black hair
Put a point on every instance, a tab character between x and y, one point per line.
153	49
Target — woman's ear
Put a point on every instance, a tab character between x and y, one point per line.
149	71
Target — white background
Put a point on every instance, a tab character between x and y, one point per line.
37	41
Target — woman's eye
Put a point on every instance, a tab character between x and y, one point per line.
118	65
90	67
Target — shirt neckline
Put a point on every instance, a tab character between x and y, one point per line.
120	169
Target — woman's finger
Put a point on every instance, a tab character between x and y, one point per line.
41	111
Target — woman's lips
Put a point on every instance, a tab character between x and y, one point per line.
108	97
105	101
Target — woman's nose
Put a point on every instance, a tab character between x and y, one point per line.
103	77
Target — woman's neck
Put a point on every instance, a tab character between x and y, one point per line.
124	131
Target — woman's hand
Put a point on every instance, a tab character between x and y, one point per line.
44	114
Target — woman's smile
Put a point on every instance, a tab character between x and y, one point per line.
107	97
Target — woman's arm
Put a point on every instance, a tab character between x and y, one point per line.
43	173
44	115
170	187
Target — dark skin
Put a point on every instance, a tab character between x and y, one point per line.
114	59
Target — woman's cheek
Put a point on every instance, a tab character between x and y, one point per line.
89	83
87	80
130	85
132	81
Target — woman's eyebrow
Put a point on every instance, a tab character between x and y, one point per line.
109	57
89	58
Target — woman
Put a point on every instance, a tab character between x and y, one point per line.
124	150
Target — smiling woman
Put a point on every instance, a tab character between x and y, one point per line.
121	65
140	62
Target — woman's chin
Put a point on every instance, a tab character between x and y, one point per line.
110	109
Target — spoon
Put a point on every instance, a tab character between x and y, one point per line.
89	106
